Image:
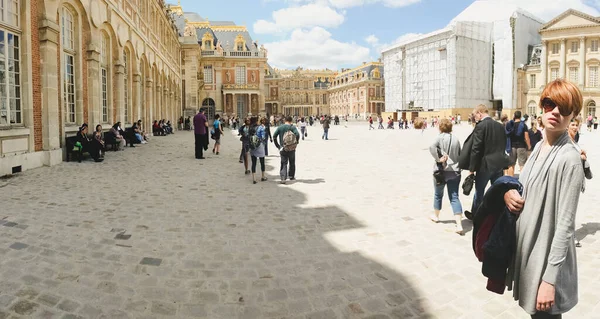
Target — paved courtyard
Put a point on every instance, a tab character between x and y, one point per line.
154	233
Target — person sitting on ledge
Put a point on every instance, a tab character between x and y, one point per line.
99	140
142	132
86	144
116	130
135	130
156	129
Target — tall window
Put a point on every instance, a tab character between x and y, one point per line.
10	79
104	50
553	74
555	48
126	86
9	12
208	74
532	81
593	81
240	75
574	46
68	46
594	46
574	74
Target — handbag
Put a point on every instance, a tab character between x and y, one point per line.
438	174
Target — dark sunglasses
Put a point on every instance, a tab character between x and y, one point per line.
548	105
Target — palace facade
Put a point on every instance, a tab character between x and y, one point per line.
224	69
568	50
359	91
70	62
298	92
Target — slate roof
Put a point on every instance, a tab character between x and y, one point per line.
227	38
366	68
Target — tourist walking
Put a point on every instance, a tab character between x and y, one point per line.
286	138
380	120
518	133
258	137
200	134
216	133
303	128
244	134
573	132
371	123
487	153
326	123
544	272
535	136
445	151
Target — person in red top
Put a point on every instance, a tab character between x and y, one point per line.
201	133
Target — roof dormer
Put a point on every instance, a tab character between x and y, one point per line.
240	43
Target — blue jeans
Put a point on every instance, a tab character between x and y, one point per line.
481	181
452	186
326	133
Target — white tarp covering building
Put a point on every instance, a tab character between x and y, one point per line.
471	61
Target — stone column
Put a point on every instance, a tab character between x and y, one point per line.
137	100
94	85
166	108
119	93
563	61
157	101
148	117
582	62
174	118
544	64
49	38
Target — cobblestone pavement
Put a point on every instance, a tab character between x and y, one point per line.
153	233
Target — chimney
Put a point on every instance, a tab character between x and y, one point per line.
364	63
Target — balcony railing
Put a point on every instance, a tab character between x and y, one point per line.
240	87
234	54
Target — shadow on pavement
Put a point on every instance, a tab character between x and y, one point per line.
587	229
193	241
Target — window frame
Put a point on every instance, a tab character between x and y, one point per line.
574	74
594	46
555	48
10	8
532	80
593	80
574	46
126	86
13	111
208	74
69	59
552	74
104	77
240	75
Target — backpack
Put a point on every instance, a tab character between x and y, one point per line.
255	141
289	141
519	130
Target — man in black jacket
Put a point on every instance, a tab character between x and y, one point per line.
488	155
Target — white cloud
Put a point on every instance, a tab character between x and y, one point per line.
357	3
306	16
372	39
315	49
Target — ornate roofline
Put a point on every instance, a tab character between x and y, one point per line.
566	13
360	67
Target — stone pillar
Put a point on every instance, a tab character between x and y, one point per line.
582	62
174	118
148	118
563	62
49	38
119	93
94	86
157	102
544	64
137	100
166	108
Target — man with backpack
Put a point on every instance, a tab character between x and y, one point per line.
519	140
286	138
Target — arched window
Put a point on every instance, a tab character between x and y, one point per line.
10	65
127	84
104	76
69	65
532	108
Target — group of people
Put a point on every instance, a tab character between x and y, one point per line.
162	127
95	143
538	209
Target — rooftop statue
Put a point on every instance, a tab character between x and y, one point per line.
190	31
264	50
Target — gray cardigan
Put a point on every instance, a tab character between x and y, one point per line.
545	248
453	151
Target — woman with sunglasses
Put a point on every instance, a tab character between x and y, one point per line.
544	273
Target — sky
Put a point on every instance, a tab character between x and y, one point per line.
334	34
